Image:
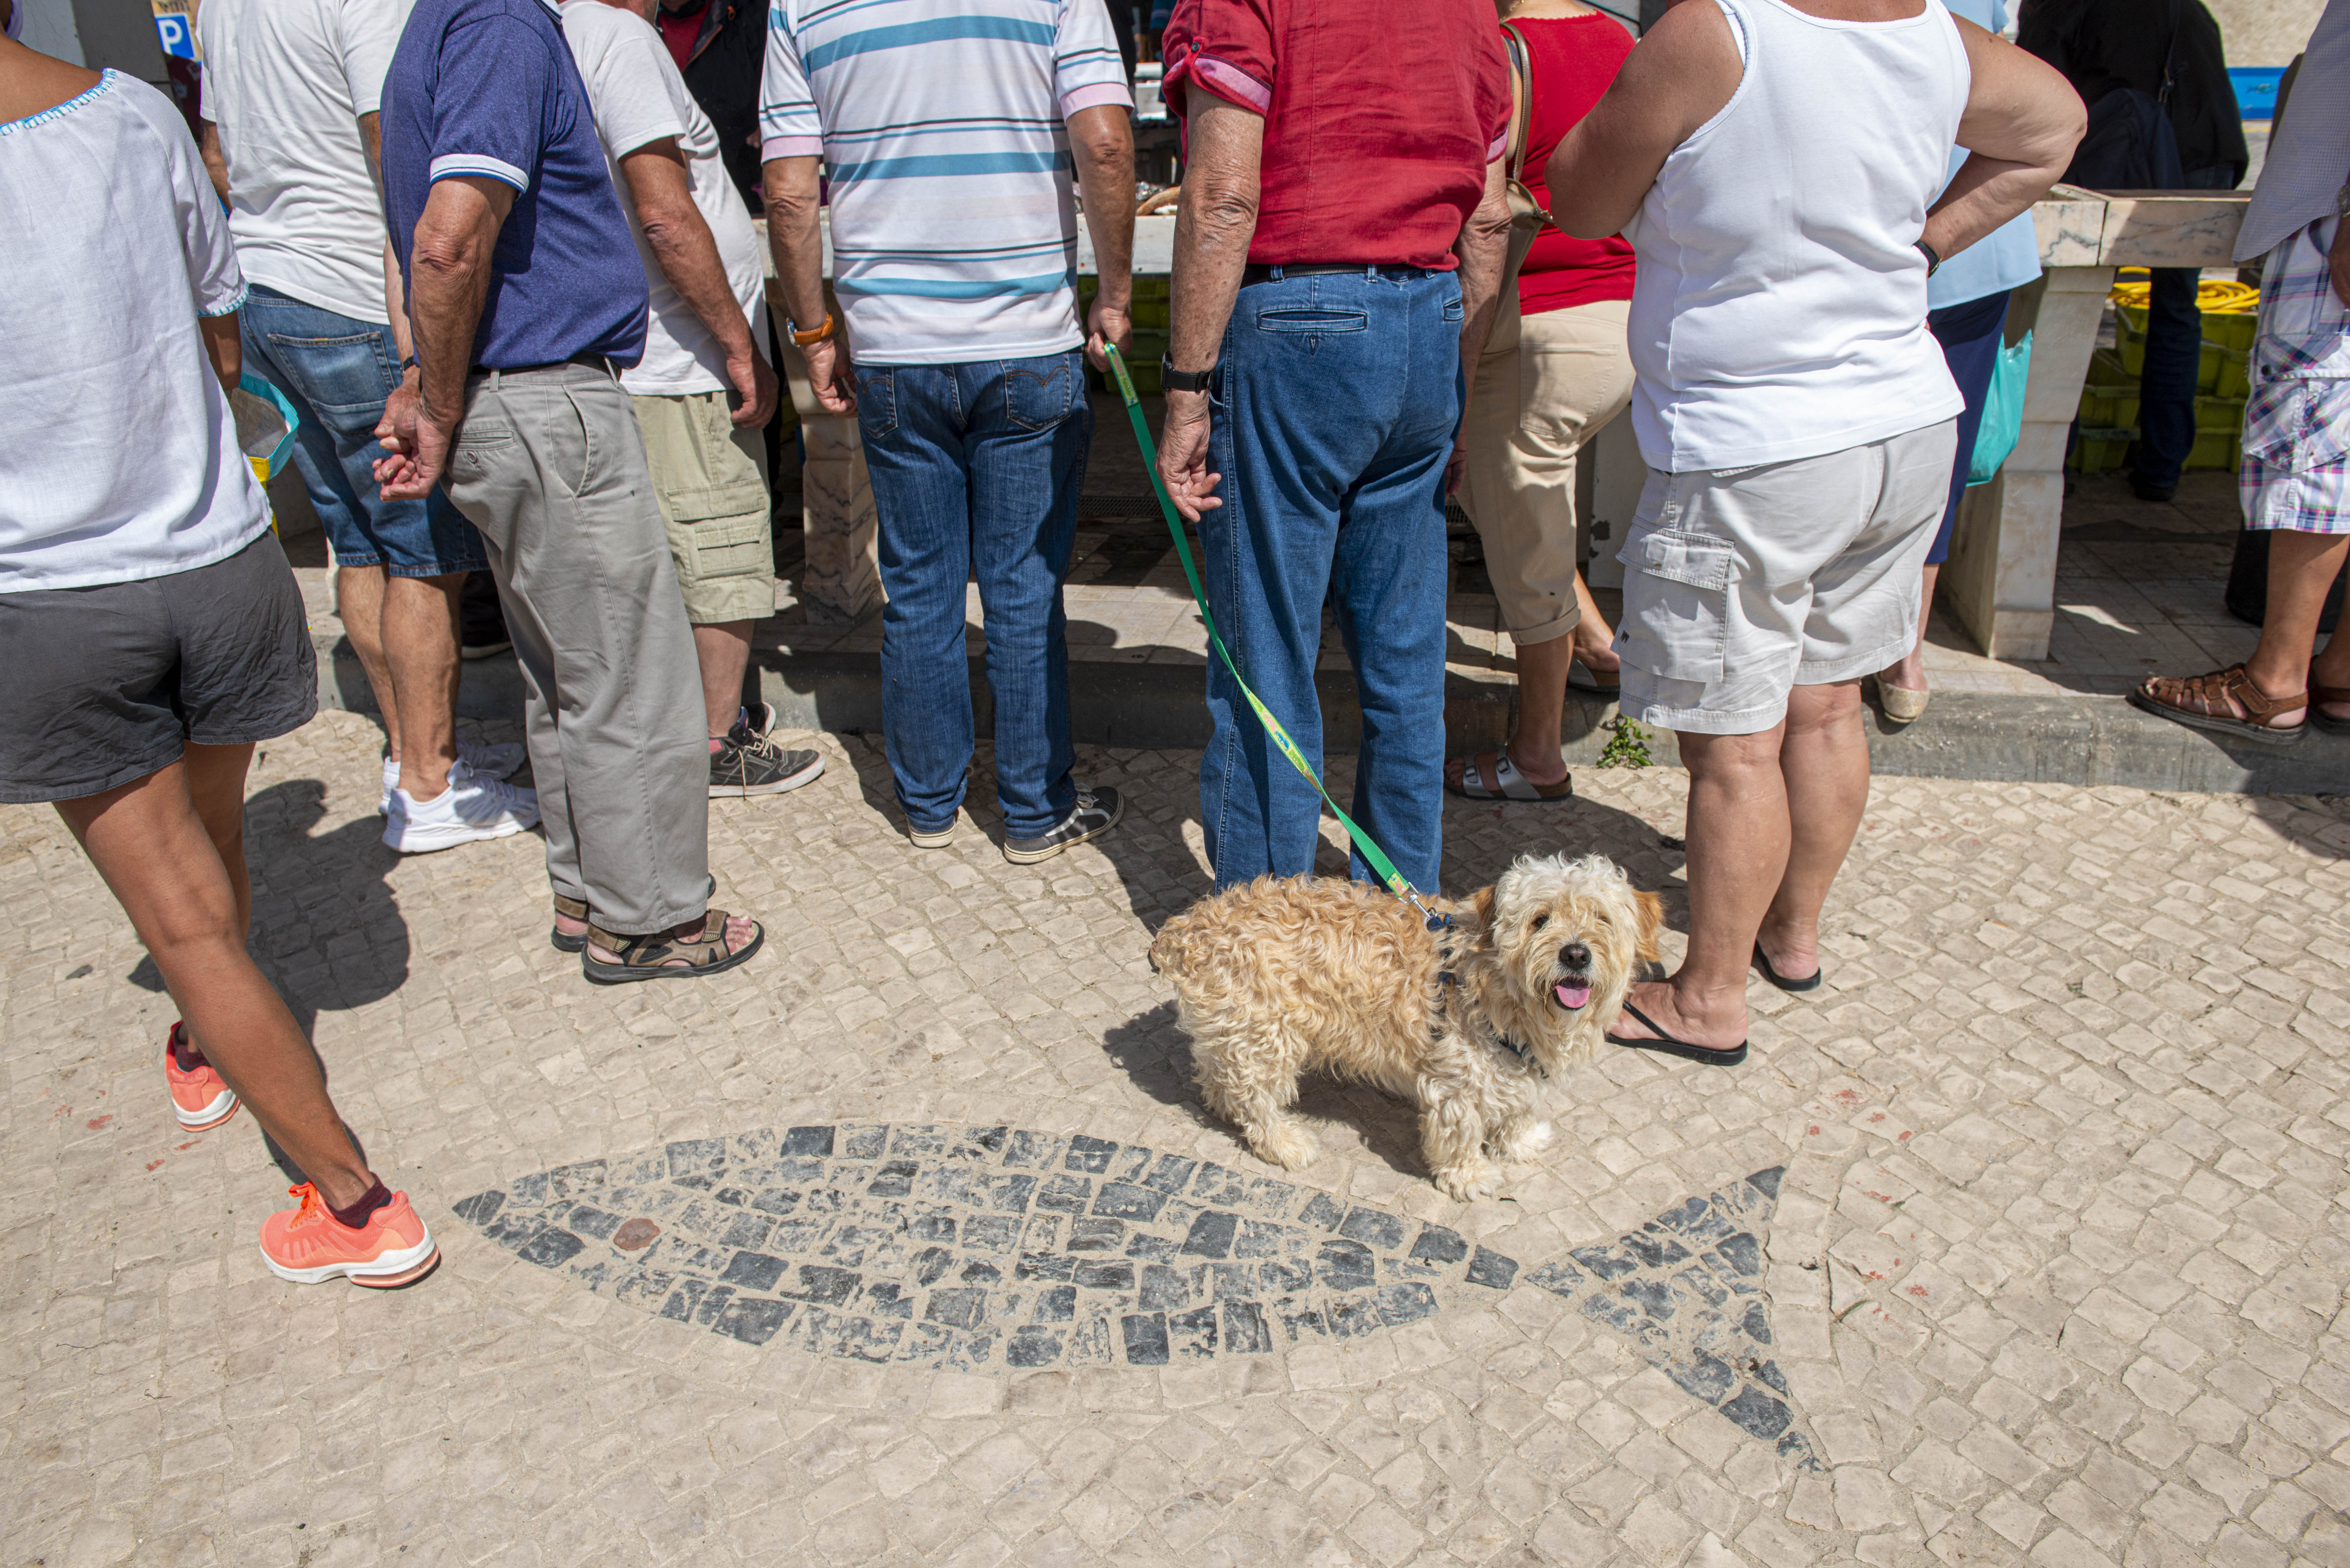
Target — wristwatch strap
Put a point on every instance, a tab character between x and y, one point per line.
1933	258
814	334
1171	379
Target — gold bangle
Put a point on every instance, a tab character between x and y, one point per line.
802	340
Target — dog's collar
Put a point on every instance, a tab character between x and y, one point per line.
1446	979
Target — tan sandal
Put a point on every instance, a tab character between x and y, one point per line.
664	956
570	909
2202	702
2319	695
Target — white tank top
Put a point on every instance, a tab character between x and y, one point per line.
1780	311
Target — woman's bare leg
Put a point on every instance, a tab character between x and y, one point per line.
172	847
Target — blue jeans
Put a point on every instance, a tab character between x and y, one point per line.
1971	333
2174	360
1334	406
977	467
336	373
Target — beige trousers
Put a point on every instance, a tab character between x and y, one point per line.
1534	406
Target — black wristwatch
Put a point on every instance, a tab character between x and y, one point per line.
1171	379
1933	258
408	364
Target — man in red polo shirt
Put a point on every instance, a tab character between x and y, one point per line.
1337	258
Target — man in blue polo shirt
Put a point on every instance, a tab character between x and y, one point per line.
524	291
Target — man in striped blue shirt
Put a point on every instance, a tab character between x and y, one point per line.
949	130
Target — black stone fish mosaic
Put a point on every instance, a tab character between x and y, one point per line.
998	1248
1687	1287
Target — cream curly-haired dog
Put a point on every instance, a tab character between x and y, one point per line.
1275	979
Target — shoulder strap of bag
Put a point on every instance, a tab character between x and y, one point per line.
2170	56
1521	78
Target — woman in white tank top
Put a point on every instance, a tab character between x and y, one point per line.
1781	309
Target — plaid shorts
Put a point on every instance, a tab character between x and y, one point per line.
2296	467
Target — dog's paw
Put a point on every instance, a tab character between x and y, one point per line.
1525	1141
1467	1183
1289	1146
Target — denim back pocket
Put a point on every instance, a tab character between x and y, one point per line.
1039	393
876	401
344	378
1315	320
1679	604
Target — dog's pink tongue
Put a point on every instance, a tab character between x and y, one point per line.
1573	997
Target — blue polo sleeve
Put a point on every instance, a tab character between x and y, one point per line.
496	91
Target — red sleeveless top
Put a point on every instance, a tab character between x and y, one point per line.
1571	60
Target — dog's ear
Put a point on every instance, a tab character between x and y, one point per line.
1482	900
1652	921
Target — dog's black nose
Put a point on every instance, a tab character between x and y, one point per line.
1574	956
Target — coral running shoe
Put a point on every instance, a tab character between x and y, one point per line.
202	1099
309	1246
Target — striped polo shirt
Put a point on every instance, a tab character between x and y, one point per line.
942	127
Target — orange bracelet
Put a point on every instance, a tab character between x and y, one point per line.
803	339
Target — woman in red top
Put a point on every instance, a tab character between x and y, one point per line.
1555	370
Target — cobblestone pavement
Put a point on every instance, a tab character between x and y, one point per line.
909	1242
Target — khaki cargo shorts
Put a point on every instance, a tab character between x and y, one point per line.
710	477
1743	583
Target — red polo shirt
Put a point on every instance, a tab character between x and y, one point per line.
1380	117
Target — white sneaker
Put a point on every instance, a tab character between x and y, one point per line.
495	761
475	806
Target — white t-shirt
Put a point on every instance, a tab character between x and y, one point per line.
638	98
120	460
285	81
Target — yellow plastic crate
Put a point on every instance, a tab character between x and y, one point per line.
2109	395
2227	346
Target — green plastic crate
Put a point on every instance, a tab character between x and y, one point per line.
2099	450
2219	414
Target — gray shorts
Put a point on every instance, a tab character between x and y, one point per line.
108	684
1740	584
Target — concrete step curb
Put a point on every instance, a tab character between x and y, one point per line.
2070	740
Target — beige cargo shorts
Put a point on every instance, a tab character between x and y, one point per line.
1740	584
711	478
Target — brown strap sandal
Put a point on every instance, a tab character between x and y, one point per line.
2203	702
662	956
2337	695
570	909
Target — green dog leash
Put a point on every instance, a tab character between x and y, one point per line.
1373	854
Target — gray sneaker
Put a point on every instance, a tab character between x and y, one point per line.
1097	812
747	764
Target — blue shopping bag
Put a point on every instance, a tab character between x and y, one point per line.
2002	415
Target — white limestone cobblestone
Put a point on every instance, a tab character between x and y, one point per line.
2056	1272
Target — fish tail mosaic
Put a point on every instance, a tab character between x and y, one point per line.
1003	1249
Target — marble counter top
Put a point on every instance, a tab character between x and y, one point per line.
2138	228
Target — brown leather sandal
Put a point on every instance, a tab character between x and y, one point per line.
661	956
2327	722
2201	701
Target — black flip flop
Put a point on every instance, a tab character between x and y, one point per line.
1672	1047
1762	961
